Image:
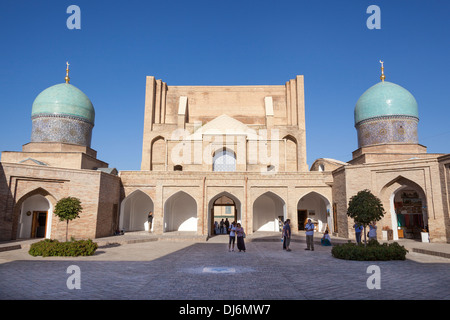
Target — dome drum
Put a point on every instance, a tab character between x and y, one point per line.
388	129
60	128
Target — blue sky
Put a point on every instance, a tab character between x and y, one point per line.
230	42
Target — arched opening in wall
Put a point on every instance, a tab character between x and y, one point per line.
35	218
135	209
224	160
269	213
178	168
158	154
224	208
409	215
180	213
316	207
290	153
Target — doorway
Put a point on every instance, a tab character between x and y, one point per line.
39	224
301	218
223	213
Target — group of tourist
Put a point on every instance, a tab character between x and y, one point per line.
372	234
236	231
309	227
223	227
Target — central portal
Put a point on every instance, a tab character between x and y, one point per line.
224	209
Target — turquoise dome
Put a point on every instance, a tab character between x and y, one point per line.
64	99
385	99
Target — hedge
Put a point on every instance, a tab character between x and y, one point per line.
73	248
374	251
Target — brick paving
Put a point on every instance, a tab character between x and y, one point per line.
160	270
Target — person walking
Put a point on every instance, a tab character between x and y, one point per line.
287	235
240	235
309	235
358	231
232	236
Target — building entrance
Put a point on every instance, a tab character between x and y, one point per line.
39	224
223	213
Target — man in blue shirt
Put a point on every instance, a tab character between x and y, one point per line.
309	235
358	230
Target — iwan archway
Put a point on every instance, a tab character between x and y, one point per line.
35	218
223	206
316	207
33	214
269	212
134	211
407	207
180	213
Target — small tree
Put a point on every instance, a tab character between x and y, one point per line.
364	207
68	209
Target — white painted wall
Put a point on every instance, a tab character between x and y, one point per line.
266	210
180	213
134	212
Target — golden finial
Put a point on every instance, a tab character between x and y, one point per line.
67	73
382	77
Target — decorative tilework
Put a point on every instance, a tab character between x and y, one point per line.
224	160
391	129
60	128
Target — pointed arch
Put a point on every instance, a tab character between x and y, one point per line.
134	211
180	213
211	213
37	200
316	207
158	154
269	209
405	203
290	153
224	159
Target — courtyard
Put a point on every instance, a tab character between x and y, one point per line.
205	270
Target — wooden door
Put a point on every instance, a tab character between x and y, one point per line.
39	224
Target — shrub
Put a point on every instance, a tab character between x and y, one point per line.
47	248
374	251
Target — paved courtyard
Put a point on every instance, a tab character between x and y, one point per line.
169	270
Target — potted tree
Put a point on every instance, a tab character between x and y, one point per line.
68	209
364	208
